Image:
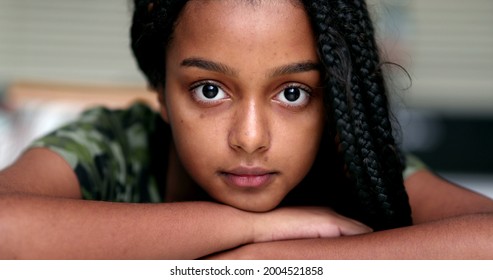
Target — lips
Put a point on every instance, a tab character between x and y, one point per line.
248	177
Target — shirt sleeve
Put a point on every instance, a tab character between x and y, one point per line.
413	164
108	151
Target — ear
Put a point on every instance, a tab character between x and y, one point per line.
163	110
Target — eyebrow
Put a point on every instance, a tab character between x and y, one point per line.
209	65
293	68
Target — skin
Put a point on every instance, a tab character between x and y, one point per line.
42	214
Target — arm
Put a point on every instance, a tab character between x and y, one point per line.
450	223
42	216
35	227
464	237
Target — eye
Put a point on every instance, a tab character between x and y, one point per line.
294	96
207	92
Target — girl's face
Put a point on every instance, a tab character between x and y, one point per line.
243	99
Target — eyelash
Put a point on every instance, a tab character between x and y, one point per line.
202	100
305	89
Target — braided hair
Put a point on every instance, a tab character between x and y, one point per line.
367	166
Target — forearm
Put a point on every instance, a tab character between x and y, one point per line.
37	227
465	237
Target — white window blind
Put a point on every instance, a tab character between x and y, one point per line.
452	51
81	41
447	49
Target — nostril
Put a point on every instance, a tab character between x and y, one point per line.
250	127
249	142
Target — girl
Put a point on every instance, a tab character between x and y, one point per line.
273	140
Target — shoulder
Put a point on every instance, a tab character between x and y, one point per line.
98	127
109	151
137	115
433	197
413	165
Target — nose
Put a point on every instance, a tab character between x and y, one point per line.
250	129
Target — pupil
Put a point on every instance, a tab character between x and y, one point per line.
292	94
210	91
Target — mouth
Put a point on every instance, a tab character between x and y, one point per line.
248	178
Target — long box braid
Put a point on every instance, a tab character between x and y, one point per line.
356	95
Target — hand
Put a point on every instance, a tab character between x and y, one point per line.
303	223
287	224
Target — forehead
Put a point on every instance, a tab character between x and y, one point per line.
222	26
241	9
251	3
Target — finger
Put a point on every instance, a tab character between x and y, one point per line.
353	227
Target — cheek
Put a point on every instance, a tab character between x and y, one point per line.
192	140
301	149
198	144
299	144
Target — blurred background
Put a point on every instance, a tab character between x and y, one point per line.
58	57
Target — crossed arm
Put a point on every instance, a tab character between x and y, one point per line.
451	222
464	237
42	216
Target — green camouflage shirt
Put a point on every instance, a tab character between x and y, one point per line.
117	155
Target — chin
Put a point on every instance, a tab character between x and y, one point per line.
259	208
251	202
